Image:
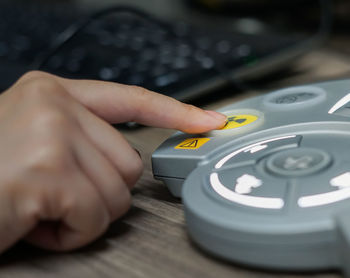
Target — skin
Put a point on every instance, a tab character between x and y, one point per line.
66	173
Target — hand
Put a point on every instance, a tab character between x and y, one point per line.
66	173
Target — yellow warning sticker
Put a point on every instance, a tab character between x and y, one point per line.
192	143
234	121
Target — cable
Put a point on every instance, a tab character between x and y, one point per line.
74	29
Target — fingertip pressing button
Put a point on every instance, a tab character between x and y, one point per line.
239	121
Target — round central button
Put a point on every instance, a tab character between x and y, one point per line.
295	98
298	162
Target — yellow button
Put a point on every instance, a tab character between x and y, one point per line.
238	120
192	143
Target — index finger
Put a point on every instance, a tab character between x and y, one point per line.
117	103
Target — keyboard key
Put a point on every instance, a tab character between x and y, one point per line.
166	80
109	74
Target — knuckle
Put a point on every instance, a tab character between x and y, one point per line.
142	93
49	126
187	112
38	85
190	111
135	171
30	210
34	74
138	89
49	158
143	96
51	119
190	108
137	168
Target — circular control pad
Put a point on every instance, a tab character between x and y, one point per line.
281	197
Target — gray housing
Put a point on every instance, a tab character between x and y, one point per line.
276	193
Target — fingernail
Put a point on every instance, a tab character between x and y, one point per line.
218	116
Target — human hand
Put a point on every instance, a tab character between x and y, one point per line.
65	171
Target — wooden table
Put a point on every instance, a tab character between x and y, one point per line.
151	240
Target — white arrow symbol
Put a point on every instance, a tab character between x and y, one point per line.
341	181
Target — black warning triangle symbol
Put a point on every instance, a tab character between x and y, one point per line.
191	144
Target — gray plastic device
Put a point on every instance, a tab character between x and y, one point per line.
271	189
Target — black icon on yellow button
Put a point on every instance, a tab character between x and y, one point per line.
235	121
192	143
239	121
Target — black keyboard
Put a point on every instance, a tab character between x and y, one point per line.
176	59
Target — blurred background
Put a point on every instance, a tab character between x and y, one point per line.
183	48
